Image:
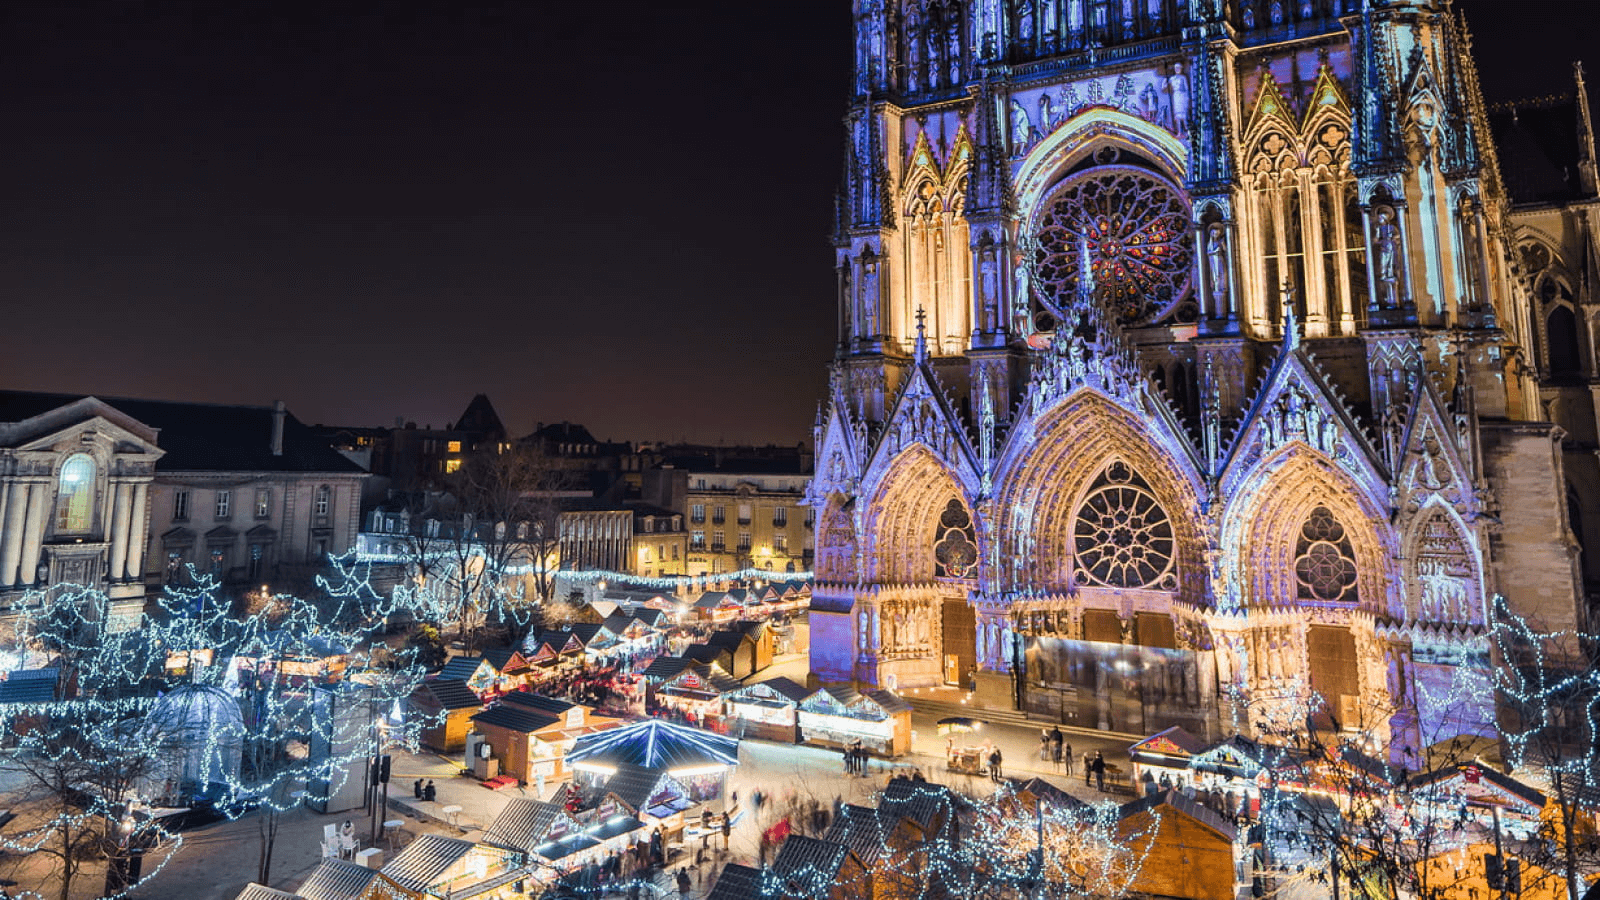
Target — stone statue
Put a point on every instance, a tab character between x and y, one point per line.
988	287
1025	21
953	52
1021	128
1217	260
1178	87
1047	113
869	297
1386	249
913	51
1020	300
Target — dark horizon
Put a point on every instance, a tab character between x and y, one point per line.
611	215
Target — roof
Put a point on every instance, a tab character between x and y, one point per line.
30	686
523	824
538	702
889	703
862	830
1174	741
809	866
715	677
727	640
461	667
515	718
704	653
204	436
655	744
424	860
648	615
1484	775
499	657
480	418
711	599
922	802
783	687
664	667
253	891
1189	806
587	631
736	883
451	693
1044	790
335	879
633	785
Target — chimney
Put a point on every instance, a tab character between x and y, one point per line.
278	412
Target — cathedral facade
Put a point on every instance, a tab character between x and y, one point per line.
1194	358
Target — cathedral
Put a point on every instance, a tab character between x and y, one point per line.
1201	357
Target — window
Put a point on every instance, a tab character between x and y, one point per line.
324	499
697	540
674	551
1325	564
700	484
717	542
697	512
780	516
75	494
263	503
719	515
224	503
744	542
744	514
955	553
452	466
780	543
180	506
257	554
661	551
454	446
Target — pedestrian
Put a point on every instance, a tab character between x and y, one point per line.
994	764
727	830
429	792
1099	771
849	760
1044	745
683	882
1088	767
416	789
1066	759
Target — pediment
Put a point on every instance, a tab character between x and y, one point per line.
82	423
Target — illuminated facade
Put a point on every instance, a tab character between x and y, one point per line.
1188	362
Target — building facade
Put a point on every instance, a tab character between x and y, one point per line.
1193	361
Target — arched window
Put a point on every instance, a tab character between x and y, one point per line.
75	495
955	552
1561	334
1122	536
1324	561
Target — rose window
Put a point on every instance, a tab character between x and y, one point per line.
955	553
1135	226
1122	535
1325	564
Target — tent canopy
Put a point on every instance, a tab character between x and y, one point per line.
655	744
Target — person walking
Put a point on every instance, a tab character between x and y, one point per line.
1066	760
1044	745
1088	767
994	764
1099	771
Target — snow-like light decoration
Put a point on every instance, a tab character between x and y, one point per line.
656	744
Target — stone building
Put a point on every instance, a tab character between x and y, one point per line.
123	494
1196	357
745	506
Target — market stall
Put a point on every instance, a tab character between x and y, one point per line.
840	717
1161	761
698	759
768	709
697	693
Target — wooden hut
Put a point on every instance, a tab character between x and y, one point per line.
448	704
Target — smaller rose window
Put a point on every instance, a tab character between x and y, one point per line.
955	553
1325	564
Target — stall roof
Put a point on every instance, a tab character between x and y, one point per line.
616	826
862	830
523	824
1486	781
1044	790
1174	741
633	785
528	699
253	891
515	718
737	883
889	703
715	678
663	668
655	744
926	804
451	693
336	879
808	866
461	668
499	657
1188	806
30	686
424	859
565	846
786	688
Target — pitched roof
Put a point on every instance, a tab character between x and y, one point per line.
461	667
809	866
784	687
335	879
889	703
451	693
736	883
924	803
1172	741
523	824
538	702
633	785
862	830
253	891
655	744
499	656
423	860
480	418
664	667
725	640
1189	806
204	436
515	718
1052	795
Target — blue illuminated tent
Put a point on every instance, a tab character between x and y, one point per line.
654	744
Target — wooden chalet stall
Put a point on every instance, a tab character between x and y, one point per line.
645	799
552	654
448	705
719	606
1161	761
530	735
769	710
476	672
1191	847
697	693
841	717
763	640
433	867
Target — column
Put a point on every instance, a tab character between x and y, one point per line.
16	499
1314	289
138	531
33	534
119	531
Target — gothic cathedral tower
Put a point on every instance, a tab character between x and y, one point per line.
1192	339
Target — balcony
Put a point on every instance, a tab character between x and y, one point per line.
744	521
719	548
718	520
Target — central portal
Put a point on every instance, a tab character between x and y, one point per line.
960	641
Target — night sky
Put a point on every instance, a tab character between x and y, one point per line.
613	213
